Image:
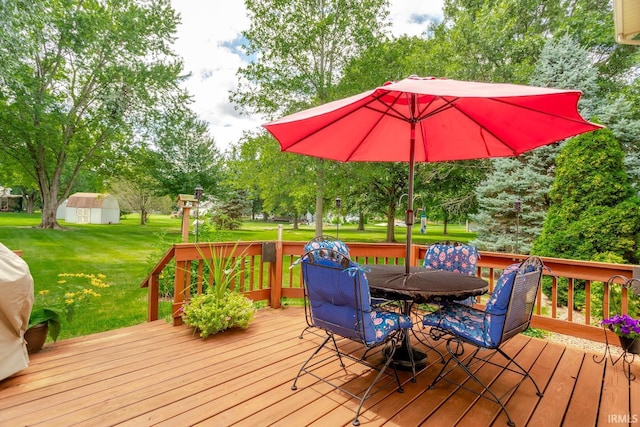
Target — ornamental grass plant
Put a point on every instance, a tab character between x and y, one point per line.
219	307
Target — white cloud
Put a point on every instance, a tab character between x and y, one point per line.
205	40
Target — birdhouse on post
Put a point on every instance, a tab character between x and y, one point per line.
186	202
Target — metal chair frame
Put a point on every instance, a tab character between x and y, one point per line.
357	334
516	319
427	338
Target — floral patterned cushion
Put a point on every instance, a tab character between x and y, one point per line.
482	327
457	258
499	299
328	257
384	322
467	322
453	257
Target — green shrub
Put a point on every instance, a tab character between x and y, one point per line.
210	314
219	307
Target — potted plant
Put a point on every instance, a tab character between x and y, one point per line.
627	329
52	307
219	307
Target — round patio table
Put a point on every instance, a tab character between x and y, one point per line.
422	285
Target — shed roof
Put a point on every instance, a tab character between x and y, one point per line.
86	200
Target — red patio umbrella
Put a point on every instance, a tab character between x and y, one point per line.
432	120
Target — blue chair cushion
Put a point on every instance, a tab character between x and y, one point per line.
499	299
470	323
384	322
457	258
482	327
328	257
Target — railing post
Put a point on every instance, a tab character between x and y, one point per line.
275	273
178	293
153	297
276	283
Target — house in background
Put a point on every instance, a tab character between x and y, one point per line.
90	208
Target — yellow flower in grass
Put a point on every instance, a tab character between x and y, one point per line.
60	302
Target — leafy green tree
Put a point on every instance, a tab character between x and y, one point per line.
284	182
185	155
300	49
594	210
76	79
137	196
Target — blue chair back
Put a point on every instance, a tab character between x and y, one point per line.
338	293
510	305
452	256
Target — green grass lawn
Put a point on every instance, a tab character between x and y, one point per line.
126	252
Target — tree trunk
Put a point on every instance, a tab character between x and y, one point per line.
391	222
143	217
361	221
319	196
446	222
49	206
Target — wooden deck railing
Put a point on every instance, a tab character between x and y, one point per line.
268	272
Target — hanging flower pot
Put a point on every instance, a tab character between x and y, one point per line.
630	345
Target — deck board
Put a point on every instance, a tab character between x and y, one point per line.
158	374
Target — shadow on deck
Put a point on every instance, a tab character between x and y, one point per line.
158	374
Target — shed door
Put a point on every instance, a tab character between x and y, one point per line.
84	215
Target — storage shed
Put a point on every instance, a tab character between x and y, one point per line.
92	208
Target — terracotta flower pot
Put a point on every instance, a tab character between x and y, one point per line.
35	337
630	345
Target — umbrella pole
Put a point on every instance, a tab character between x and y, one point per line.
408	219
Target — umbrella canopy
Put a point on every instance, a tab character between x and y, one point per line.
432	120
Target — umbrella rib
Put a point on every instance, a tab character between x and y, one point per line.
384	112
388	107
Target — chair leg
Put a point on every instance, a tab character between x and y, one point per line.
524	372
456	354
381	371
302	368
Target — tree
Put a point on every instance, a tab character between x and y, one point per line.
594	212
137	197
564	65
184	153
500	226
300	49
594	209
284	182
76	79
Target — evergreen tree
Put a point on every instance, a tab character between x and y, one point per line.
593	207
594	211
563	64
500	227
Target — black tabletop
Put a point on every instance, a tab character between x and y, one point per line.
422	285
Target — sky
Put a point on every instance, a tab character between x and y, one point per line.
204	39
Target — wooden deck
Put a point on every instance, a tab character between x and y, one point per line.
158	374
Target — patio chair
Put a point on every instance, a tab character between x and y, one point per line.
319	243
340	305
507	313
453	256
